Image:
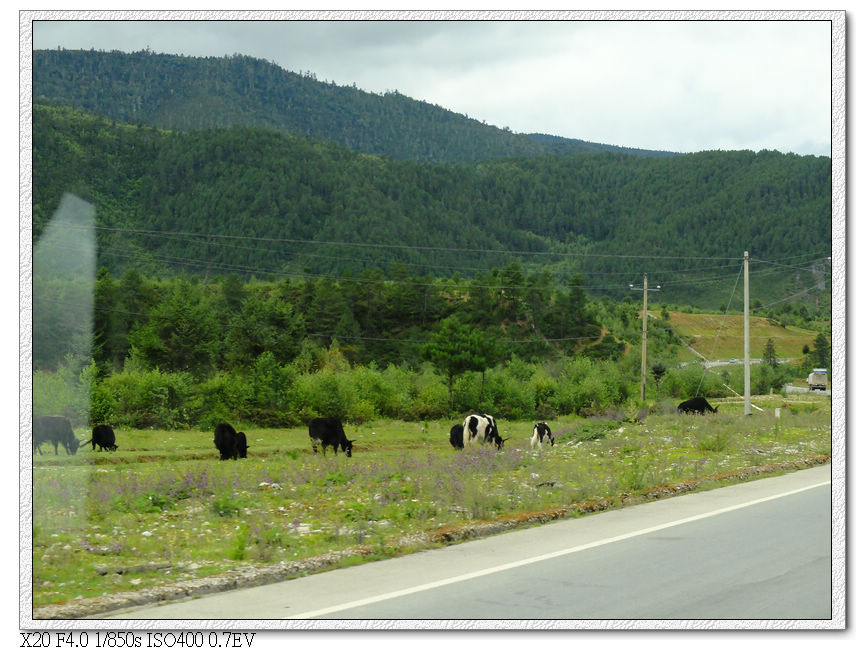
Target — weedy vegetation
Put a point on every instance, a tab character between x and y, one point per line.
164	508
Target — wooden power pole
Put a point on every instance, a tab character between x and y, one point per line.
645	333
747	341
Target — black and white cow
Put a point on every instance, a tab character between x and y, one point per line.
540	433
229	442
457	436
103	436
696	405
328	432
481	428
54	429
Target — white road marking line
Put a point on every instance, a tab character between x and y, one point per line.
540	558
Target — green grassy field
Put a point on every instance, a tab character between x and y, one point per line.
719	337
164	508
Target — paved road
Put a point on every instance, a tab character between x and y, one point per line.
727	362
759	550
789	388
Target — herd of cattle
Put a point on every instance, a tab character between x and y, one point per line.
323	432
58	431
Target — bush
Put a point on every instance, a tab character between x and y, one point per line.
544	388
103	404
509	395
382	397
714	442
403	392
226	506
691	381
222	398
326	393
65	392
269	383
431	401
273	395
150	398
765	378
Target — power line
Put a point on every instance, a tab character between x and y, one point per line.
200	237
306	254
790	297
466	284
718	331
544	339
450	249
817	256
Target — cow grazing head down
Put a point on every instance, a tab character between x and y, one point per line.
103	437
540	433
456	436
328	432
54	429
696	405
480	428
240	444
229	442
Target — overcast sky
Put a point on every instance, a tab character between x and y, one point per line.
676	85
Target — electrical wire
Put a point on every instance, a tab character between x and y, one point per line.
449	249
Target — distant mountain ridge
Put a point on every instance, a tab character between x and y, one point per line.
185	93
254	201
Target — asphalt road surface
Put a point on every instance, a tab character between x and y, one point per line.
758	550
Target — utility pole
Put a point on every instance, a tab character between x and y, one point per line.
645	332
747	341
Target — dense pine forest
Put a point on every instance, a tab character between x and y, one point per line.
271	247
190	93
257	203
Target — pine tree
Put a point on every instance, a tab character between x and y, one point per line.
457	348
770	357
822	351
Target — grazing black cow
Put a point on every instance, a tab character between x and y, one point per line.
224	438
481	428
240	444
328	432
539	434
103	435
229	442
457	436
696	405
54	429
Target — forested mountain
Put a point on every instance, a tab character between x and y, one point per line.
251	201
188	93
271	248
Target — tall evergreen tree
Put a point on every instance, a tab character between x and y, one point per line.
457	348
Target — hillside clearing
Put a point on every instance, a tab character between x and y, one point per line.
719	337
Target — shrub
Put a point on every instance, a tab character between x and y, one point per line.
717	441
65	392
155	502
636	477
432	395
510	395
151	398
226	505
690	381
238	547
221	398
269	383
